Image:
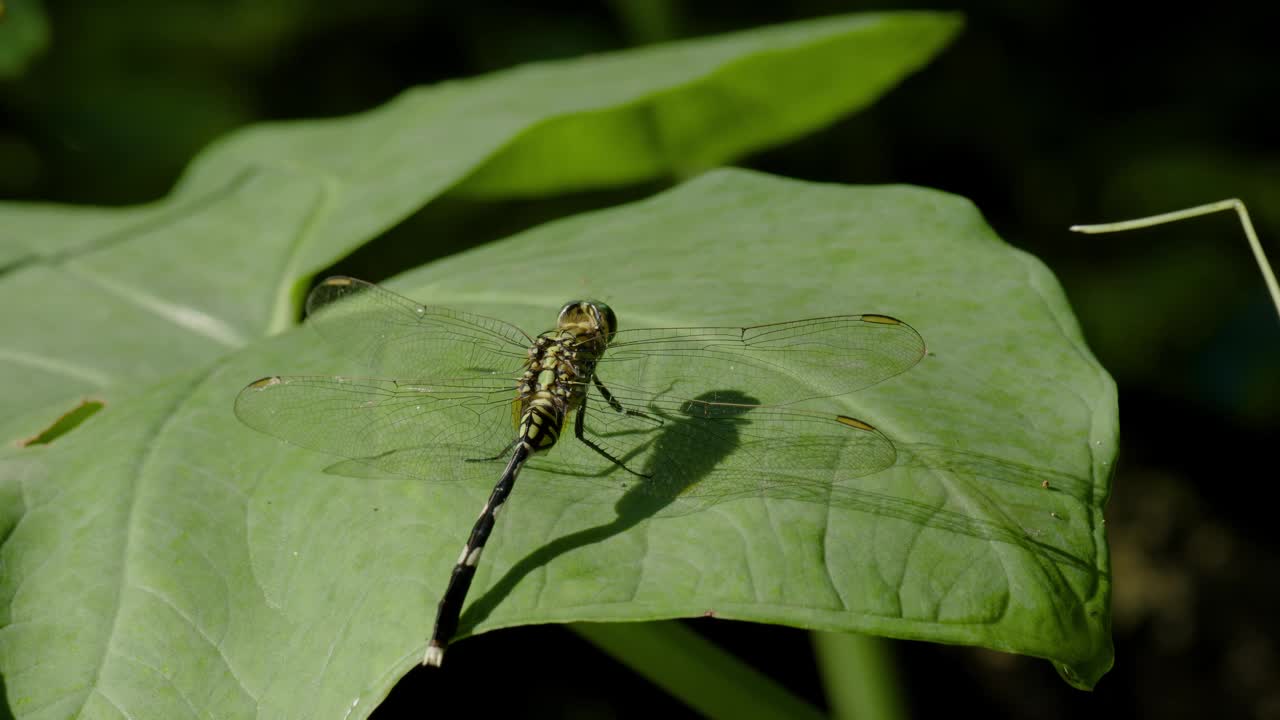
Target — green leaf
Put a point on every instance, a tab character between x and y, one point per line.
96	297
168	557
24	33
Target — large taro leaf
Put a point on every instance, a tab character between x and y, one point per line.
94	297
167	557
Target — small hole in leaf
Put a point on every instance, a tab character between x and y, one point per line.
69	421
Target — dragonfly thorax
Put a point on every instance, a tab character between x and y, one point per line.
559	366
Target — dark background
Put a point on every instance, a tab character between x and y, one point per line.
1044	114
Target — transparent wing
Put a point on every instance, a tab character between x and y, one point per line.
686	455
693	454
397	337
676	456
406	429
778	364
709	452
697	415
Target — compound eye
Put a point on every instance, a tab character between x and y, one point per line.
609	319
567	313
580	312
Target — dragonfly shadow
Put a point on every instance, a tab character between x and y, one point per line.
686	478
640	501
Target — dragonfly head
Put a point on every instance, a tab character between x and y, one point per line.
584	317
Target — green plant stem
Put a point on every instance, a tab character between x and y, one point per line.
1232	204
859	676
704	677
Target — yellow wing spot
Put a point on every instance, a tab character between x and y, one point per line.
265	382
337	281
882	319
854	423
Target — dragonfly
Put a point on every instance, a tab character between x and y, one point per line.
685	417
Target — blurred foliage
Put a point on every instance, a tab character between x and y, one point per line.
24	33
1044	114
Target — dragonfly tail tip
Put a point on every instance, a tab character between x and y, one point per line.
434	655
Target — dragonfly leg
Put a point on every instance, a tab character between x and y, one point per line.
579	431
613	402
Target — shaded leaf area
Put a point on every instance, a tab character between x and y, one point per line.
96	296
169	557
